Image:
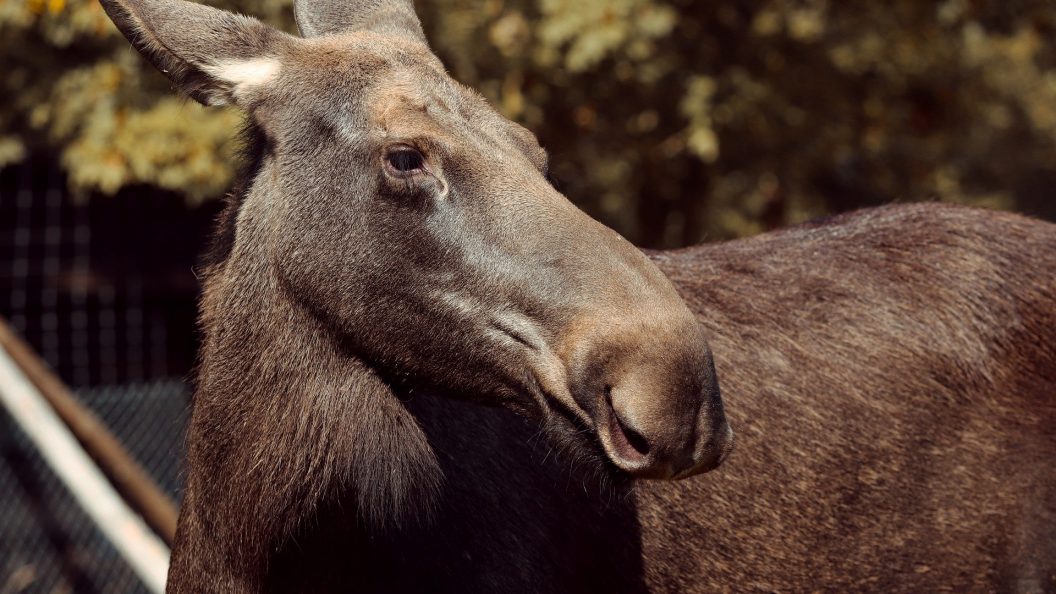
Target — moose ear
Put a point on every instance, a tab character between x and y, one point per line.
214	56
391	17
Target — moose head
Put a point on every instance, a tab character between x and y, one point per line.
415	225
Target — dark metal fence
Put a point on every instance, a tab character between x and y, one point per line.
103	289
47	544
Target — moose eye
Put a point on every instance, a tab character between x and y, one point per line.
405	159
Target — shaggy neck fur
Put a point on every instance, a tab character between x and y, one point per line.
288	422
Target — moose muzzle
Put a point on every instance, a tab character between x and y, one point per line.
648	381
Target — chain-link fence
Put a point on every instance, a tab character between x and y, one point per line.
47	543
103	289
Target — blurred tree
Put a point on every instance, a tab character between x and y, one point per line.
673	121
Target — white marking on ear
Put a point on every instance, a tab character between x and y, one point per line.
245	75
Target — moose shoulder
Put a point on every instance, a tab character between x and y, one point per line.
892	375
394	258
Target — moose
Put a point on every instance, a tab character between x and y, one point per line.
423	369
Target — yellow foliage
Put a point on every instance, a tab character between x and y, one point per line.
672	120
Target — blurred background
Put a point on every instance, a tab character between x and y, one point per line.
673	121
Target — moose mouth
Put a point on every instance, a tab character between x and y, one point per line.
614	442
609	440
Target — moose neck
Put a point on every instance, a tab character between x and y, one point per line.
291	419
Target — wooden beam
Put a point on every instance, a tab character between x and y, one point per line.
127	476
141	548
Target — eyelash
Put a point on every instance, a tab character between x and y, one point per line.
405	159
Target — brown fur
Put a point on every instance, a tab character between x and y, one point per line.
891	372
892	375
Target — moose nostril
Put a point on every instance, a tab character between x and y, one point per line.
634	439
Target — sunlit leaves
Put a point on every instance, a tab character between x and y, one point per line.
672	120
